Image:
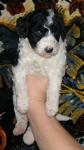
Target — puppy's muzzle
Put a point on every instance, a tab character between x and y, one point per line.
48	50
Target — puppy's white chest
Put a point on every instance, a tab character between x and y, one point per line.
37	68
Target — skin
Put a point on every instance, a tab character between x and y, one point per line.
48	132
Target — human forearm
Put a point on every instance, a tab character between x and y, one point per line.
48	132
41	127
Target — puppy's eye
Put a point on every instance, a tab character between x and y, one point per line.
44	30
37	33
41	31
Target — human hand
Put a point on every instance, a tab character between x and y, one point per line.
37	87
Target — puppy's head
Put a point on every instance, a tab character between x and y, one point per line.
43	28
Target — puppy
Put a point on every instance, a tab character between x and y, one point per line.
41	52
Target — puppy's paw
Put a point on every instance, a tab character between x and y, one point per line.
51	111
28	137
19	128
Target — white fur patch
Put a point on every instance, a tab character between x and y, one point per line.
50	17
31	63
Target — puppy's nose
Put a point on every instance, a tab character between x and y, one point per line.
48	50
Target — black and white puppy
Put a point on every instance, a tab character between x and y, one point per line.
41	53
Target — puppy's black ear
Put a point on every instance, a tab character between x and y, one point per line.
62	27
59	22
22	27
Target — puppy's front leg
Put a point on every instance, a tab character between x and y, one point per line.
53	93
21	90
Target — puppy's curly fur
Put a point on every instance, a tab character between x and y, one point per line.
42	52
